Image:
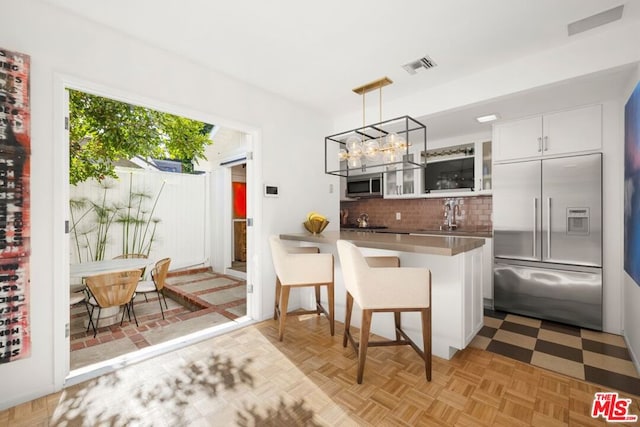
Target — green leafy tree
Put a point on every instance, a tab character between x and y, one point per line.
103	131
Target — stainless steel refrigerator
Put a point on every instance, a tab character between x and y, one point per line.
547	221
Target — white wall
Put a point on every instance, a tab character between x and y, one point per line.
60	44
226	143
611	213
631	293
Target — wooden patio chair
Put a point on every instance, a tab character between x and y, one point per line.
112	290
157	282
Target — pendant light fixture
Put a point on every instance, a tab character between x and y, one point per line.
384	146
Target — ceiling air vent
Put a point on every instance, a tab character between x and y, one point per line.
424	62
596	20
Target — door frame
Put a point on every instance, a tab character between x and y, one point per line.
228	213
60	214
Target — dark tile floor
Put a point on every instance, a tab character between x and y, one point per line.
593	356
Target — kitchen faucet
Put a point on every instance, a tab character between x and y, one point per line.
451	208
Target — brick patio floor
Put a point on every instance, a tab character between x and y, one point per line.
196	299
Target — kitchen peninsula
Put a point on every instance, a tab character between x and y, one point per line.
456	276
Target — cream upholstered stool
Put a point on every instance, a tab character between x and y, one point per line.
376	287
298	267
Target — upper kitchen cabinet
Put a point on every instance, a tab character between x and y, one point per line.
573	131
563	132
483	167
459	170
405	183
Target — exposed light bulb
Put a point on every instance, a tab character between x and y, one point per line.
354	162
354	145
371	149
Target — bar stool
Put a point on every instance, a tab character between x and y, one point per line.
375	287
300	267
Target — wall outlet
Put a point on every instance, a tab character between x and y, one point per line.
398	216
330	188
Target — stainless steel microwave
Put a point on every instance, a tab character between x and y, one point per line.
366	185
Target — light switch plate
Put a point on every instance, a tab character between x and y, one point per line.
398	216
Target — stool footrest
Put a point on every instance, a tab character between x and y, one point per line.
318	311
301	312
387	343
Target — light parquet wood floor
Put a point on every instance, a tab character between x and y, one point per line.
248	378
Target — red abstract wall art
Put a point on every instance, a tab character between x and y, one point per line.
15	149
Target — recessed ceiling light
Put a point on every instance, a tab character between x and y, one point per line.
487	118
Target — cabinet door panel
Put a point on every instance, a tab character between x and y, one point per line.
403	183
517	140
573	131
391	183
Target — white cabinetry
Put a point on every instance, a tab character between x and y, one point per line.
486	265
487	272
518	139
482	173
573	131
472	305
409	183
470	160
551	134
404	183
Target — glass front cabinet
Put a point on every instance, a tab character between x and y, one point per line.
483	167
474	173
404	183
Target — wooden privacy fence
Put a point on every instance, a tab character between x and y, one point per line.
163	213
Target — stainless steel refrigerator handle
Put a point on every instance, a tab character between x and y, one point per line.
546	143
549	228
539	144
535	225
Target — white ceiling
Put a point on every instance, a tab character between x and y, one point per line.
588	89
314	53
